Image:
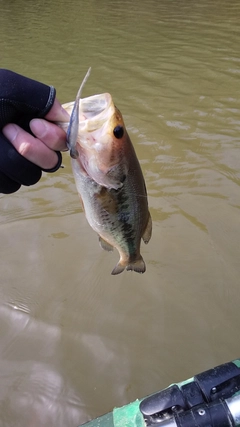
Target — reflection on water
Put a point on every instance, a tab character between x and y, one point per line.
75	341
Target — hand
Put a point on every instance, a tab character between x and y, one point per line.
28	144
48	138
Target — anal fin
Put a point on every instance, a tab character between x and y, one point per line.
147	234
105	245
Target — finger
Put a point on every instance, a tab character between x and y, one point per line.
30	147
52	135
57	113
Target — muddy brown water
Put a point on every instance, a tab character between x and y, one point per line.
74	340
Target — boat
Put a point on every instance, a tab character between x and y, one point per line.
209	399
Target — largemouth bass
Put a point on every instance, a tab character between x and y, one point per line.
108	178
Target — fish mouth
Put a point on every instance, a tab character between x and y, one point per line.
95	111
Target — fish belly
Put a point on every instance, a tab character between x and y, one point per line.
119	217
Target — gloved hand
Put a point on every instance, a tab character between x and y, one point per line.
29	144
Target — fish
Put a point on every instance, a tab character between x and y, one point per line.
108	177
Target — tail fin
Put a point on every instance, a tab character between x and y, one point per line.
137	265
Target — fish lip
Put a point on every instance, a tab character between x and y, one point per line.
94	111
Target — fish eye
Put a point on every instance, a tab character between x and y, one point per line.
118	131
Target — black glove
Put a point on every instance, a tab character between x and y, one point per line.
21	100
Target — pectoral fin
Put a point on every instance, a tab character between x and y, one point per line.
112	178
116	176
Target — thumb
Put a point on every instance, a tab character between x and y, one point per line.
57	113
